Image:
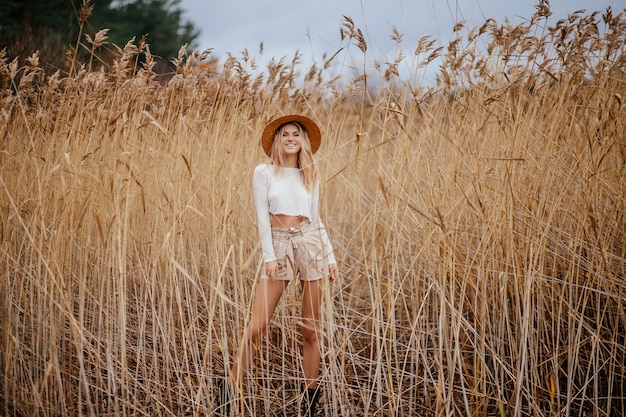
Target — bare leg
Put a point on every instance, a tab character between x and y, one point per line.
311	301
266	297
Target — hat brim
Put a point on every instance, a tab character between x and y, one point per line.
312	130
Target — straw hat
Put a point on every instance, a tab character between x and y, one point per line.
315	136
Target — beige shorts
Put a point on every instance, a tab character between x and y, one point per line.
299	252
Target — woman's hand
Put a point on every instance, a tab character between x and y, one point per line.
333	273
271	269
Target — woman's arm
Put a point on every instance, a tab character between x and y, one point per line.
315	220
261	184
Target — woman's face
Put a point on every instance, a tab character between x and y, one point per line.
290	139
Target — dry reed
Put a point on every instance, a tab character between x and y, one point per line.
479	223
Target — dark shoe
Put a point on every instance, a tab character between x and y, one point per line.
224	398
309	403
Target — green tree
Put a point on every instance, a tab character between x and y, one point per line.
159	21
26	26
53	26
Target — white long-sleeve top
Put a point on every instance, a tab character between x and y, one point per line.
283	192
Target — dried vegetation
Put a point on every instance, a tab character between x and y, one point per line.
479	222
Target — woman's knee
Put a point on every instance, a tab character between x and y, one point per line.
309	331
255	332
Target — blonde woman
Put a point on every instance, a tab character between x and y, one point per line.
295	246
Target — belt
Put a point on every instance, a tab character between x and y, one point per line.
287	234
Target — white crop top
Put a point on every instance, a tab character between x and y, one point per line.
283	192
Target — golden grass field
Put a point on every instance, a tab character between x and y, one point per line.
479	225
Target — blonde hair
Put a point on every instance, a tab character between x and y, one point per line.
306	163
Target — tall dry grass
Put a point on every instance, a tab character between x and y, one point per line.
479	223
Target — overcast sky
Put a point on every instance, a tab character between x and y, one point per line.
313	27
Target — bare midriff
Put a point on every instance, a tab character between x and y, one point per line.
284	221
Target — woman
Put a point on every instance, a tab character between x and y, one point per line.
294	243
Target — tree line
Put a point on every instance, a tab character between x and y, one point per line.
54	27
